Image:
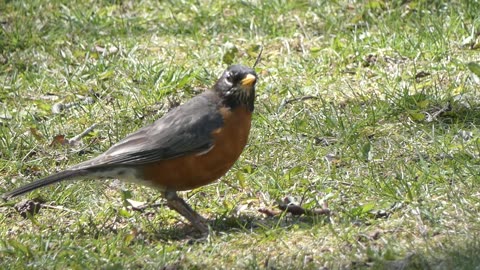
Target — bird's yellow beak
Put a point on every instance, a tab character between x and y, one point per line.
248	80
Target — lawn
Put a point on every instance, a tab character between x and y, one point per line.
367	108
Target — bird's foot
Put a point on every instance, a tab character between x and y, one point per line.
178	204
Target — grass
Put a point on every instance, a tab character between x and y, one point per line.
368	106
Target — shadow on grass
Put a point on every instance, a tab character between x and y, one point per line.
462	114
239	224
460	110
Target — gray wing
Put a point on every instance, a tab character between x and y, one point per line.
184	130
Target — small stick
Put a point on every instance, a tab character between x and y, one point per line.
433	116
288	101
83	134
258	57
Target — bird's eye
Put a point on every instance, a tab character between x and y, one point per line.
229	77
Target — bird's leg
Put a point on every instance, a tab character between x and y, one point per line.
178	204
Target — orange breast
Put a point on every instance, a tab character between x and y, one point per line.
199	169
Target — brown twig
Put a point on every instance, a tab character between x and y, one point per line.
259	57
288	101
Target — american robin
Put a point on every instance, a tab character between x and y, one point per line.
192	145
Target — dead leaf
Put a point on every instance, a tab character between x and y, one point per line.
59	140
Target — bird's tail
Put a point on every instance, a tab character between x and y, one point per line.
54	178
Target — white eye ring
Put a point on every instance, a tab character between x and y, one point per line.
227	77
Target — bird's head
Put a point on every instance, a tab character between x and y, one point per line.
236	86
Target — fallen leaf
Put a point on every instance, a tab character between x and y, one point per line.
59	140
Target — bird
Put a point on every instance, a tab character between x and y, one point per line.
190	146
